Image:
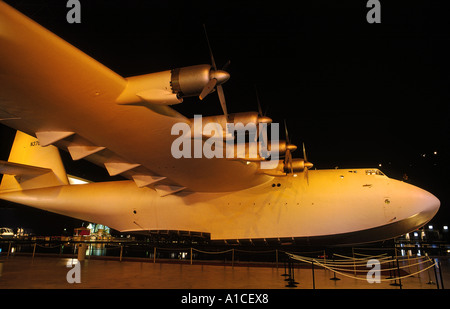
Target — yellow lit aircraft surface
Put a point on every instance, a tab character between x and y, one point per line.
58	97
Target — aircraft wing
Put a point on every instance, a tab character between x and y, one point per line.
52	90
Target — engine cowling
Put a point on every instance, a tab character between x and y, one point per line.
298	165
190	81
281	147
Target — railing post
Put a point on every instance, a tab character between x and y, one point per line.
191	255
121	251
440	274
154	255
34	249
232	257
276	257
354	261
9	249
399	275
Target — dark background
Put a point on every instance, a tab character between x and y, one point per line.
357	94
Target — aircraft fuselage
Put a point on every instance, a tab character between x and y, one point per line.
333	207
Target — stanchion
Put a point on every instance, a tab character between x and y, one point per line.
435	276
396	276
121	251
428	271
291	282
293	272
314	280
285	273
154	255
440	273
334	273
436	269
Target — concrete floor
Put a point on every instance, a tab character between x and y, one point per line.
23	272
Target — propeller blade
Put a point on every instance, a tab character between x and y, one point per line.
288	162
208	88
291	168
226	65
210	50
259	103
308	165
217	78
262	136
304	153
223	103
286	131
261	117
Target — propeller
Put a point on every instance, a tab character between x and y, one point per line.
217	78
308	165
289	148
262	135
288	161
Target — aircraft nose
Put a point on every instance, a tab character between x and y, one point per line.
429	204
432	203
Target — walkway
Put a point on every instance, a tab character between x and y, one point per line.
24	272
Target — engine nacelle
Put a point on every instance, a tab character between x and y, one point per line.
281	147
298	165
245	119
171	86
190	81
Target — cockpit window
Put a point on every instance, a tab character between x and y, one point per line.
374	172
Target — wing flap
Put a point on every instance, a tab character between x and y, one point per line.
16	169
143	180
165	190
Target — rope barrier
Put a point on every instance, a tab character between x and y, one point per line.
368	256
249	251
48	247
213	252
336	270
363	263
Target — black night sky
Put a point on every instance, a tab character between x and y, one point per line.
357	94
